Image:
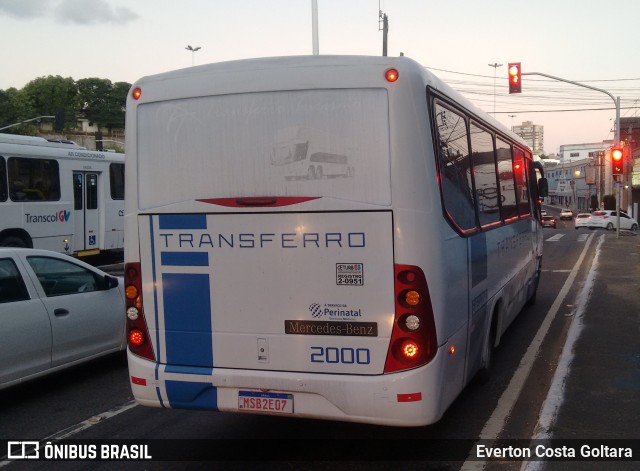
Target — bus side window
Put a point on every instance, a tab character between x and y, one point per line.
34	179
484	164
508	207
455	167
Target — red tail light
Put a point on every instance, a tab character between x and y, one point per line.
137	331
413	338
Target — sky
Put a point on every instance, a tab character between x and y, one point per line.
590	41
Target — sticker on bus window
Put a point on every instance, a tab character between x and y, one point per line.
349	274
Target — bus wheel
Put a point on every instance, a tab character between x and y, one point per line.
485	370
12	241
311	173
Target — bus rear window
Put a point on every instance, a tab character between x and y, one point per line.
332	143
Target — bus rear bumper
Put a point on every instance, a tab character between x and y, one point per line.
410	398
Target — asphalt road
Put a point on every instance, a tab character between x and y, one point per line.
74	402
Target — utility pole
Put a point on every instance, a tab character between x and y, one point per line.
314	27
385	31
495	69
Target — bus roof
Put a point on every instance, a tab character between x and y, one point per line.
41	147
270	77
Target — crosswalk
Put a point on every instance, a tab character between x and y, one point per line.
557	237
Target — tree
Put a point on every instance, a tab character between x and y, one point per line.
103	102
14	108
51	94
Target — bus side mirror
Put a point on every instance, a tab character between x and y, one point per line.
543	188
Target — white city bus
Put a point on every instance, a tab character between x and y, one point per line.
374	297
60	196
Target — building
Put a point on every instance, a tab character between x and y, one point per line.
583	171
572	183
569	152
533	135
630	136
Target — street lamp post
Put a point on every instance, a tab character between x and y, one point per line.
576	174
193	51
511	116
495	69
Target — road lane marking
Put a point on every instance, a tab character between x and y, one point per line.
555	396
495	423
554	238
77	428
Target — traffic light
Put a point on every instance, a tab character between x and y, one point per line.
515	78
58	124
617	161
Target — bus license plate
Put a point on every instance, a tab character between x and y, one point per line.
257	401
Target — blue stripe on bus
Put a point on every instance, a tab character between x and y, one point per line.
185	259
155	303
183	221
191	395
187	319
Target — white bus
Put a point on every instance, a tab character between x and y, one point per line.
374	298
59	196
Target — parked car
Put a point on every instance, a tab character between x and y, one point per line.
548	221
607	220
566	214
55	312
583	220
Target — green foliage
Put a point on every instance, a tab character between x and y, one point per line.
14	106
98	100
50	94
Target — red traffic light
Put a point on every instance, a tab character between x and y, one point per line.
515	77
617	161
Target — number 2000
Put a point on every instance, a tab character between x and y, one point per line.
345	355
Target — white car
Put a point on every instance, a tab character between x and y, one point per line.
583	220
566	214
55	312
607	220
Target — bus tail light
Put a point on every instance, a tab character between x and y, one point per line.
413	338
137	331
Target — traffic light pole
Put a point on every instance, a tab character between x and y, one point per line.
617	134
26	121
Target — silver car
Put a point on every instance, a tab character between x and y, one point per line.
55	312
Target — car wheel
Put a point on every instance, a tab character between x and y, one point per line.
634	227
610	226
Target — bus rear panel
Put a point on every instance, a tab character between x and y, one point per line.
282	243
